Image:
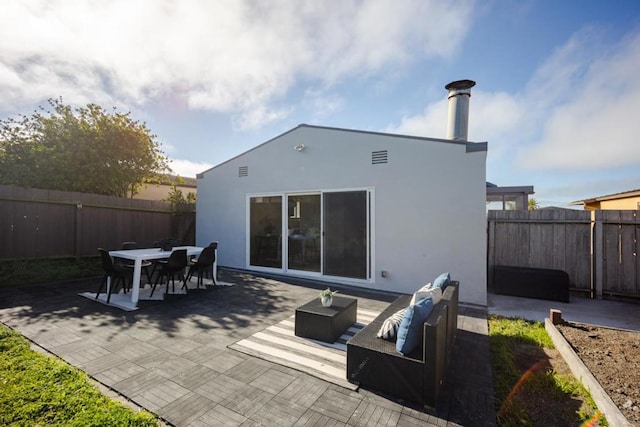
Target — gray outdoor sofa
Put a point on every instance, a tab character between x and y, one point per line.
374	363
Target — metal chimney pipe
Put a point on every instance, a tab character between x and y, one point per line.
459	94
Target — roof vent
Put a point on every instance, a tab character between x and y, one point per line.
379	157
243	171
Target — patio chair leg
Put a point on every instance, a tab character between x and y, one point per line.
154	285
114	285
169	279
183	279
103	282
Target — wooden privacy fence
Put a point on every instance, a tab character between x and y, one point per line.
598	249
46	223
616	266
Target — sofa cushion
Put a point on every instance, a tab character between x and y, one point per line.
442	281
427	290
389	328
411	327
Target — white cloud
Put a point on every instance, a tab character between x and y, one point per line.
432	122
593	123
322	104
187	168
565	191
492	116
259	116
232	56
578	112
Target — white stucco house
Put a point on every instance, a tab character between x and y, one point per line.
373	210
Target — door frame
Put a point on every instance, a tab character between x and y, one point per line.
370	276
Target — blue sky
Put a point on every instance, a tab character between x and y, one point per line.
557	95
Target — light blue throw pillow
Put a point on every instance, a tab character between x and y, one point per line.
442	281
411	327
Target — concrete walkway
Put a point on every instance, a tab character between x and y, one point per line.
171	357
613	314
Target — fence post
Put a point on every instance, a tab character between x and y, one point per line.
78	230
491	231
597	256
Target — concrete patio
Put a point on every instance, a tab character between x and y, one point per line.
171	357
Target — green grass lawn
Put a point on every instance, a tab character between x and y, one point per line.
38	390
528	390
43	270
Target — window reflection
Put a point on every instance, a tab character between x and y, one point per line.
266	231
304	232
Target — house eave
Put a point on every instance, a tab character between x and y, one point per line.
613	196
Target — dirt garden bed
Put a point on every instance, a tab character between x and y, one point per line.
613	357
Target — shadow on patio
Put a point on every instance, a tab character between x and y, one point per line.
171	356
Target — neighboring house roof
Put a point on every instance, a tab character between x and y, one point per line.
556	208
470	146
614	196
178	180
161	188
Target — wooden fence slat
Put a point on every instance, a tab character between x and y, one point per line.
559	251
578	255
610	252
626	250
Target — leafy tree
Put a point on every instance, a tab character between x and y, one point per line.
176	197
83	149
533	204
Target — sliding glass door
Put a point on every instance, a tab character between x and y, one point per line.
346	239
322	233
303	242
265	231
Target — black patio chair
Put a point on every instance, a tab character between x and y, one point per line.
146	265
115	273
166	245
203	265
175	266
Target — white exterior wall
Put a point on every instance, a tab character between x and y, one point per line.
428	207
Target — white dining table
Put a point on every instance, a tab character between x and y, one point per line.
139	255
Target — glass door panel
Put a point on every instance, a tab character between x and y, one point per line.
345	234
303	244
265	231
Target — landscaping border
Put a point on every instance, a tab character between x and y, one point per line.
584	375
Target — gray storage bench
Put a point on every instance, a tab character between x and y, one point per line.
375	364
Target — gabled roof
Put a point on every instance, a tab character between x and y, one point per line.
614	196
470	146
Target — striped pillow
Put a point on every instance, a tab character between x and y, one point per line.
389	329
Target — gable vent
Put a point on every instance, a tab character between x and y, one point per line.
243	171
378	157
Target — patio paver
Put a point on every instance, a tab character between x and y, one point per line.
171	357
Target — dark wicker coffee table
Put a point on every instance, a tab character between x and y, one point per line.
326	323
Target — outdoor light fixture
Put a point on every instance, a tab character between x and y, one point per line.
299	148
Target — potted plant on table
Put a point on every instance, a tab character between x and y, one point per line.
326	297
